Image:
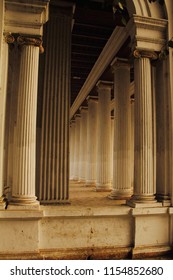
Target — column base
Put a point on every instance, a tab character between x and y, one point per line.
103	188
120	195
3	203
81	181
164	199
143	201
54	202
23	202
90	184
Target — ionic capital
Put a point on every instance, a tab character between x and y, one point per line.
92	98
9	38
104	85
30	41
24	40
145	54
120	63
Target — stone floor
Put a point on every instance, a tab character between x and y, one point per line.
80	195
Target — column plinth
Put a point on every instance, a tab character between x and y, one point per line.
23	191
144	187
122	132
103	175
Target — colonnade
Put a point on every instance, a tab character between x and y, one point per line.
140	145
124	158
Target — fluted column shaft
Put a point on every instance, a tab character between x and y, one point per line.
3	94
163	170
112	146
144	188
122	139
132	144
72	147
23	191
54	167
91	141
103	175
77	147
83	144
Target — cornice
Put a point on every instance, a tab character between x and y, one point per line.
147	32
25	17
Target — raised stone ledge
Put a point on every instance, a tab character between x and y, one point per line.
77	211
19	214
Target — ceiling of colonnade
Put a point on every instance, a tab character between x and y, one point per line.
94	23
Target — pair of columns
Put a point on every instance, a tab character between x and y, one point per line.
144	193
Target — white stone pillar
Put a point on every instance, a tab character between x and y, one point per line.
54	159
92	140
163	169
103	174
23	191
72	147
122	140
83	144
77	147
144	189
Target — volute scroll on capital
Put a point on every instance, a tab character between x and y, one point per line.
152	55
24	40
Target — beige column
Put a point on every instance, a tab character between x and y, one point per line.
122	140
112	147
103	174
132	143
54	167
163	169
77	147
144	188
83	144
23	191
3	96
72	147
171	118
92	140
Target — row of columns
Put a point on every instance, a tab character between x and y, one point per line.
135	155
108	146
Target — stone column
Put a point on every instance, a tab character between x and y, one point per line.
77	147
72	147
3	96
132	143
103	175
83	144
144	188
171	118
163	169
122	140
23	191
112	147
91	141
54	167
